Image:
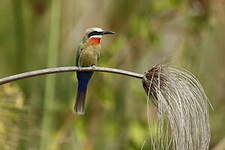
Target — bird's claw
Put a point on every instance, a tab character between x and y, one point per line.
93	66
79	68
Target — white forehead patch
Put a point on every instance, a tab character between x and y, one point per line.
97	29
96	36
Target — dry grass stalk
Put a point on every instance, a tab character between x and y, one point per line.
182	107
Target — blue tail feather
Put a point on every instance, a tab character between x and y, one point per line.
83	80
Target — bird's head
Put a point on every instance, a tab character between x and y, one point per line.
94	35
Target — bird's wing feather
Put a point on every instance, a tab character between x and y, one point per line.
98	56
79	49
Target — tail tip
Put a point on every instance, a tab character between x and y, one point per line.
79	112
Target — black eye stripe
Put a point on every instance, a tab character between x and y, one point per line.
94	33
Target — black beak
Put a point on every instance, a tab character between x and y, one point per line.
108	32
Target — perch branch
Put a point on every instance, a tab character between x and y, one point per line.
67	69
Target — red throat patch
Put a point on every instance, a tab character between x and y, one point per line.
95	40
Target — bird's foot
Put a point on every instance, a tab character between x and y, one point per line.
79	68
93	66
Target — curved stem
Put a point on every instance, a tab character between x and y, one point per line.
67	69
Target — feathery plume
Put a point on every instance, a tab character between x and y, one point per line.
182	108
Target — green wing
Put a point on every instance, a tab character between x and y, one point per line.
98	56
79	49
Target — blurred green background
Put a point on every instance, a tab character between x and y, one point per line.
37	113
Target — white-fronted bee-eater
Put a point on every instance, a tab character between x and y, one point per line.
88	54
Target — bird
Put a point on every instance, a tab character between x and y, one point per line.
88	53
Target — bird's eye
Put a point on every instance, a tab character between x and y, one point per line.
94	33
